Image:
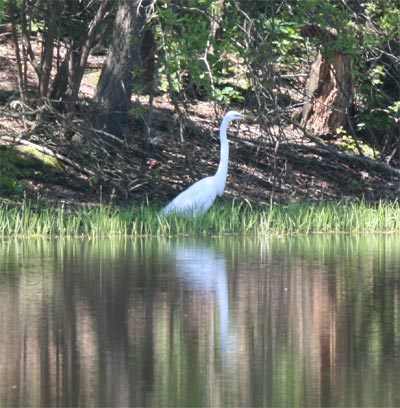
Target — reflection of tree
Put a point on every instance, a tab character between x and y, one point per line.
371	340
312	321
301	331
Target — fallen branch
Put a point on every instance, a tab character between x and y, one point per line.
367	161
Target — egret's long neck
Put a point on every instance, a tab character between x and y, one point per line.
222	171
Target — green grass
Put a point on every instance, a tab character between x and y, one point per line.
26	220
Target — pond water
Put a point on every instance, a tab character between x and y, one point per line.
304	321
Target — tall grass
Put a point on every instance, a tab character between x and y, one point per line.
234	218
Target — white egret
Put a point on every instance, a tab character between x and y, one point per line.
199	197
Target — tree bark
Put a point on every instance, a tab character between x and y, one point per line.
115	84
22	85
147	61
130	58
50	34
328	90
69	77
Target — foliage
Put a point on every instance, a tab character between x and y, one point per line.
368	33
378	71
349	143
226	51
3	12
197	60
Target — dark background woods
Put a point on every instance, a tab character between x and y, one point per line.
123	98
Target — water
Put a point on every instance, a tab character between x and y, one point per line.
306	321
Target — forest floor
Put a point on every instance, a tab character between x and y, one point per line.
59	161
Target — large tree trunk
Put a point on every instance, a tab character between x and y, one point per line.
329	90
126	56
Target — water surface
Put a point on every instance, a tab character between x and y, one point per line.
305	321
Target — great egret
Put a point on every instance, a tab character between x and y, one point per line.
199	197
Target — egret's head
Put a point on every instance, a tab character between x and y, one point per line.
233	115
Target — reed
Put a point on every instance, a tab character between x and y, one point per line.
236	217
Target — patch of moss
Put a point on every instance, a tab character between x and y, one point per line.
46	160
17	164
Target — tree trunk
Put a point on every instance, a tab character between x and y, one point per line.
115	85
68	79
50	34
21	77
328	92
147	61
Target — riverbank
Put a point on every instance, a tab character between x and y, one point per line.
59	161
30	221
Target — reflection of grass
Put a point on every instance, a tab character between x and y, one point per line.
234	218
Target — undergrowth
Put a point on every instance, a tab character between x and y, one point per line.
27	220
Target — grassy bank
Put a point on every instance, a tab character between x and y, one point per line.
26	220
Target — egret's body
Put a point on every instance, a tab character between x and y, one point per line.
199	197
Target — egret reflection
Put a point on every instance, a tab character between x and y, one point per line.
204	270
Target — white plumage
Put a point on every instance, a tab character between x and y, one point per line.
199	197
